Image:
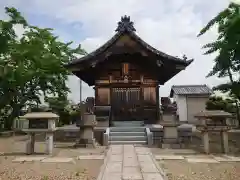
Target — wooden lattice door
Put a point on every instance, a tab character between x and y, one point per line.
126	104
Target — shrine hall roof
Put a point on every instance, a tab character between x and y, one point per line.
125	26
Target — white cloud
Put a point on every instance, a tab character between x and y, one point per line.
169	25
92	43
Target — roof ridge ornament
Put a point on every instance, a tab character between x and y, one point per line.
125	25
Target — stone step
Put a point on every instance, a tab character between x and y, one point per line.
127	133
127	142
127	129
128	123
128	138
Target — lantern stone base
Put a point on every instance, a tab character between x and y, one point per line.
85	143
49	143
170	138
225	148
31	140
205	138
206	144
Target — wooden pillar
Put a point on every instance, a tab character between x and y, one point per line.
142	97
111	99
96	95
157	105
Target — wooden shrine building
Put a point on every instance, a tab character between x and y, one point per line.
127	73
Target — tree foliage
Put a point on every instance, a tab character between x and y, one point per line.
227	47
218	103
59	106
31	65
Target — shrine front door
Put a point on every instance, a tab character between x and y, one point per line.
126	104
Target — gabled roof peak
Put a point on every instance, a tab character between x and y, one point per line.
125	25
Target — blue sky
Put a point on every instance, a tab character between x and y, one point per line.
168	25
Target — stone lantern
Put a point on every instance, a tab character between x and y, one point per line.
40	122
87	125
214	121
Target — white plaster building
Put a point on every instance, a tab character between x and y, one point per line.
190	100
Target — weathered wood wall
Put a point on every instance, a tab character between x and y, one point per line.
122	74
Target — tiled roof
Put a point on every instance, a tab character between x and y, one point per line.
125	26
191	90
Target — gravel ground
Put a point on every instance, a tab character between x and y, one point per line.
83	170
10	148
182	170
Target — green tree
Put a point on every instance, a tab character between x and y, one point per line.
59	106
218	103
31	65
227	47
57	103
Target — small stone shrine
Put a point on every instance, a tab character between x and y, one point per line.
170	125
40	122
214	121
87	124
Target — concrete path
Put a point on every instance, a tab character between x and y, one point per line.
126	162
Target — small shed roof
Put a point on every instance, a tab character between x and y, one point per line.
191	90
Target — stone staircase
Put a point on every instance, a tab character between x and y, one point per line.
126	132
128	123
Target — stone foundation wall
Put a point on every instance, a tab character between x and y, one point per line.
71	136
184	133
157	135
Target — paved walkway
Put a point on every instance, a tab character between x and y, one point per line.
126	162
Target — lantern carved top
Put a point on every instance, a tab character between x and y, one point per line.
40	115
213	114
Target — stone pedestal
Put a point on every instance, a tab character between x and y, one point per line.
224	137
167	117
30	143
87	131
170	135
49	143
205	138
